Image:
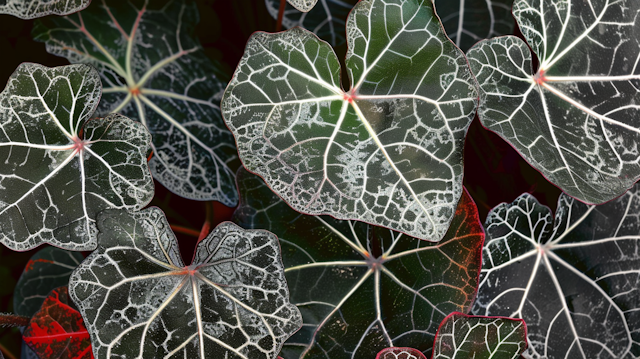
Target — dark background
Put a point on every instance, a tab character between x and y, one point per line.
494	171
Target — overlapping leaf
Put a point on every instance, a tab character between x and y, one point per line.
362	288
154	70
30	9
48	269
469	21
303	5
575	281
53	180
462	336
327	20
388	151
576	118
57	330
140	301
400	353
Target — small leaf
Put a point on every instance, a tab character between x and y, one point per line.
462	336
389	151
48	269
575	118
154	70
140	301
303	5
57	329
574	280
470	21
362	288
327	20
54	179
400	353
30	9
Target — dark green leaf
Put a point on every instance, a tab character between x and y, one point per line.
362	288
54	179
388	151
140	301
154	70
400	353
30	9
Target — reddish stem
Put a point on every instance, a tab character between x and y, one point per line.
13	320
208	219
150	155
185	230
283	3
6	352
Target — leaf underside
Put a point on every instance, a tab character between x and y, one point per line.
400	353
362	288
48	269
53	181
574	280
576	118
57	330
462	336
30	9
387	152
154	70
140	301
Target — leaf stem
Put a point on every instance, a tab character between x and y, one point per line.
185	230
13	320
208	219
6	352
283	4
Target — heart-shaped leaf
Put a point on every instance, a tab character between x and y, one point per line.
54	179
362	288
575	118
470	21
154	70
574	280
56	330
140	301
387	152
327	20
48	269
462	336
30	9
400	353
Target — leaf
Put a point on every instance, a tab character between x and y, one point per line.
54	179
400	353
303	5
462	336
30	9
575	118
57	330
470	21
387	152
327	20
154	70
140	301
48	269
362	288
574	280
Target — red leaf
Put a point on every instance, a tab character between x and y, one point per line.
400	353
57	329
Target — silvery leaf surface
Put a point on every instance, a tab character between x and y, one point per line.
400	353
573	279
30	9
139	300
327	20
303	5
154	70
462	336
575	119
389	150
469	21
54	180
362	288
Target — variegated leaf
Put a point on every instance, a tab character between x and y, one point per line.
303	5
400	353
30	9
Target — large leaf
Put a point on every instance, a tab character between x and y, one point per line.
469	21
53	179
362	288
574	280
461	336
30	9
388	151
400	353
327	20
140	301
576	118
57	330
154	70
48	269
